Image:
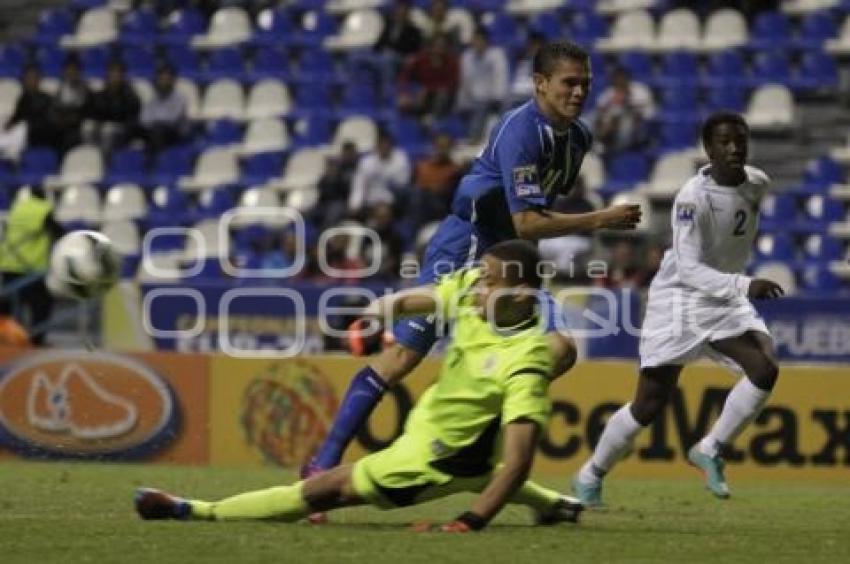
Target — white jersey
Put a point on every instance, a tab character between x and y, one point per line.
700	291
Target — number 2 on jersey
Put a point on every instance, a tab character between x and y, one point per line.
740	223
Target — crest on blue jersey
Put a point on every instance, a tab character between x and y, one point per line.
685	212
526	182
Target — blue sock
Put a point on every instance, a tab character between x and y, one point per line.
364	393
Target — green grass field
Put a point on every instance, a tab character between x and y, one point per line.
64	512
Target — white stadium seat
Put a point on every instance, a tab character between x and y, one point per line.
725	29
214	167
799	7
79	203
303	169
530	7
223	99
678	30
362	130
144	90
207	242
346	6
124	236
96	27
771	108
193	98
841	44
259	198
228	26
265	135
303	199
669	174
631	30
124	201
10	91
611	7
82	164
268	98
359	30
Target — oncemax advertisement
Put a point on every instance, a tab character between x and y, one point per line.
195	409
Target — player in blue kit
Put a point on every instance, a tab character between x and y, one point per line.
533	155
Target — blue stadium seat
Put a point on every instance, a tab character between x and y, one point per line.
50	60
311	129
586	26
775	247
168	207
819	279
312	98
547	25
778	211
94	61
315	65
678	70
678	135
210	270
226	62
35	164
453	125
732	97
83	5
274	27
260	167
315	26
822	249
140	61
359	98
815	28
817	71
220	133
126	165
182	25
172	163
820	212
678	105
503	29
269	62
212	203
770	30
52	25
819	175
409	135
13	56
185	60
724	68
624	171
770	67
639	65
139	27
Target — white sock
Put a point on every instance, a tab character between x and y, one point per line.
615	442
742	405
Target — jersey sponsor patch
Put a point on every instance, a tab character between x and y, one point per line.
526	182
685	212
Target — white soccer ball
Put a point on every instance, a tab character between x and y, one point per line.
84	264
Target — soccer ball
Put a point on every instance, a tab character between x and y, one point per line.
83	264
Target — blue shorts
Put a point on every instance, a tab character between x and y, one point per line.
455	244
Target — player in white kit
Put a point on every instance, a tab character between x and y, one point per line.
699	305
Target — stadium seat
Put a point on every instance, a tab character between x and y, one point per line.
312	129
315	66
819	175
124	236
670	173
549	27
679	30
771	108
678	136
224	63
315	26
228	26
212	202
53	25
775	247
312	98
822	248
771	30
818	71
273	27
140	61
223	99
360	29
530	7
82	165
724	69
731	97
79	207
586	26
12	59
631	31
181	25
265	135
677	105
800	7
841	44
677	70
346	6
124	201
10	91
215	167
96	27
770	67
260	205
841	153
204	249
724	29
780	273
360	129
126	165
259	168
189	89
592	172
223	133
185	61
623	171
303	169
778	212
268	99
35	164
463	21
815	29
269	63
172	163
94	61
168	208
302	199
144	90
819	279
139	27
639	65
821	211
613	7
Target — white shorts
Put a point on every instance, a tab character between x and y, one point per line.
678	326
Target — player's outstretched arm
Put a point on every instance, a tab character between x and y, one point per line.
521	437
537	224
411	301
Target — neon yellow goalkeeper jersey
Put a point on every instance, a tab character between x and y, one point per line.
487	380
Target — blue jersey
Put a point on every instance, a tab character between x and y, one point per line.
525	165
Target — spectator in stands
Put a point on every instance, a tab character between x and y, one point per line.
114	110
437	22
382	176
483	82
25	247
399	39
335	186
70	106
429	80
522	85
623	112
435	179
380	219
622	270
163	121
29	124
282	250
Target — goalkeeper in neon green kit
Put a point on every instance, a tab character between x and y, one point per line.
492	385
